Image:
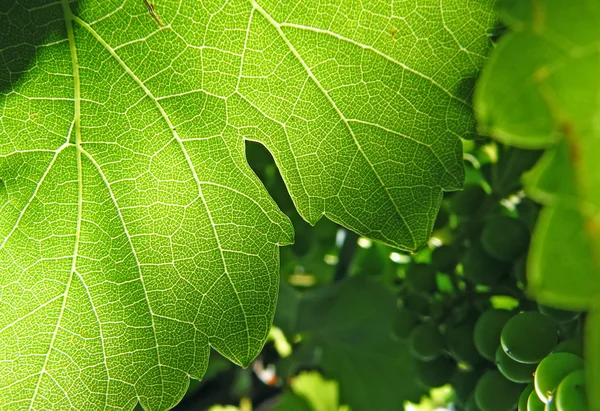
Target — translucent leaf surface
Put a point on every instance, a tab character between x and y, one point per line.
540	90
133	234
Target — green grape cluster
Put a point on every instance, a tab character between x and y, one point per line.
468	322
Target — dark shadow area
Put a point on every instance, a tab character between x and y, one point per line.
262	163
226	384
24	27
498	31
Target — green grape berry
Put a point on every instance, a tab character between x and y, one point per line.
415	396
419	303
464	383
426	342
572	346
522	406
571	393
435	373
558	315
421	277
528	212
481	268
495	393
437	308
528	337
460	343
552	370
509	286
487	332
467	202
404	321
505	238
464	314
514	370
534	403
471	404
520	270
444	258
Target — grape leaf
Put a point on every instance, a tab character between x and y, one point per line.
309	392
134	235
291	401
592	356
560	231
348	327
540	90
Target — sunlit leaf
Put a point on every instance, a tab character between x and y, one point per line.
133	233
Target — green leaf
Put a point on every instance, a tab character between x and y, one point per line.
319	394
562	267
134	235
349	328
223	408
540	90
592	357
290	401
551	93
288	306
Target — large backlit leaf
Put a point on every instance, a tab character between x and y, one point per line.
133	234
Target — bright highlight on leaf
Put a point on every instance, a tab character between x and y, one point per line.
133	234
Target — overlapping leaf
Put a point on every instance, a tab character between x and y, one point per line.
133	233
540	90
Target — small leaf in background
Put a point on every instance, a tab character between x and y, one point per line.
560	242
290	401
320	393
350	325
287	312
223	408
